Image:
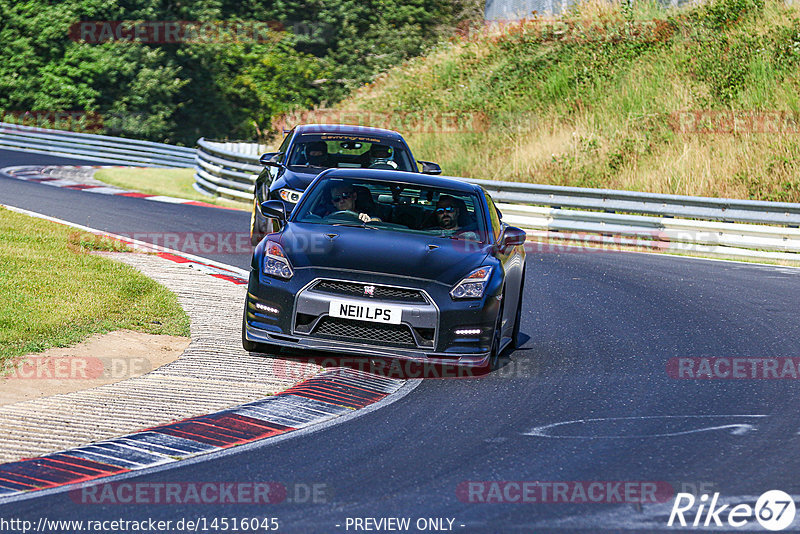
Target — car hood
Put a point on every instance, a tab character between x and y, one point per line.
382	252
299	178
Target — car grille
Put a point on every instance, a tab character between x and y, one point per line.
384	334
353	289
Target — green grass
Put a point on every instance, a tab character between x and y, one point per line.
168	182
53	293
597	107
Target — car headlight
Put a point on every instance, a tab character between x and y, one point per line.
473	285
290	195
275	261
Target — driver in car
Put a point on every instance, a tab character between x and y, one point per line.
317	154
343	198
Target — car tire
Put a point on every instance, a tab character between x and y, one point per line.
497	338
249	346
518	319
256	226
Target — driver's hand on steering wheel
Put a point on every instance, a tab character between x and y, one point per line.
366	218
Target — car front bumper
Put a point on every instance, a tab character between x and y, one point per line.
294	314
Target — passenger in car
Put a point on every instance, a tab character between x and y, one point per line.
452	218
447	213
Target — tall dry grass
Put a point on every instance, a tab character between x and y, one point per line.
596	104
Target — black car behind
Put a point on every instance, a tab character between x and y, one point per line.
309	149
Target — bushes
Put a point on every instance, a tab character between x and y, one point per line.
178	92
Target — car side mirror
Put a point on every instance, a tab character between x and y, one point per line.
268	159
275	209
513	237
429	167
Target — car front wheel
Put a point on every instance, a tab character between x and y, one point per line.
494	354
249	346
257	224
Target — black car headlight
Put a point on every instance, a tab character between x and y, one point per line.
473	285
275	261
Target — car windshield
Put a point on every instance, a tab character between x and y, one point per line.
394	207
353	151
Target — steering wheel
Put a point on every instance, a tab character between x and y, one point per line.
340	213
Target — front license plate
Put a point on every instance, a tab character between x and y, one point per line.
376	313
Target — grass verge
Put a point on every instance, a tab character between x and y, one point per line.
54	293
168	182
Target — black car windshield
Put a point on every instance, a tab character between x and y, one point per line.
394	207
354	151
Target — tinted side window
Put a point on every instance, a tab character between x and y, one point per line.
497	226
285	146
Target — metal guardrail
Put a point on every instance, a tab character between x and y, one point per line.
227	169
96	147
745	229
721	209
732	228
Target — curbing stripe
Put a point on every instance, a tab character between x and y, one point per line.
9	483
67	466
181	446
331	394
26	479
130	453
70	460
41	472
98	454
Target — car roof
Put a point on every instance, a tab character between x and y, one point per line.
449	182
346	129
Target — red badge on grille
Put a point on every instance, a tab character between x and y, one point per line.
369	290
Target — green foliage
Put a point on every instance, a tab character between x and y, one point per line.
177	92
721	14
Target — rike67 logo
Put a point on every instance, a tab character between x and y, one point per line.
774	510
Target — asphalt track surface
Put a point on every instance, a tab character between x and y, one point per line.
599	329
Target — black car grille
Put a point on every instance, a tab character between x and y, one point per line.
383	334
353	289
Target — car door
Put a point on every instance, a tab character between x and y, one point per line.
512	264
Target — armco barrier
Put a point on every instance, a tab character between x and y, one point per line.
745	229
227	169
96	147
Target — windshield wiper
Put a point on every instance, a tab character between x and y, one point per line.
362	225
